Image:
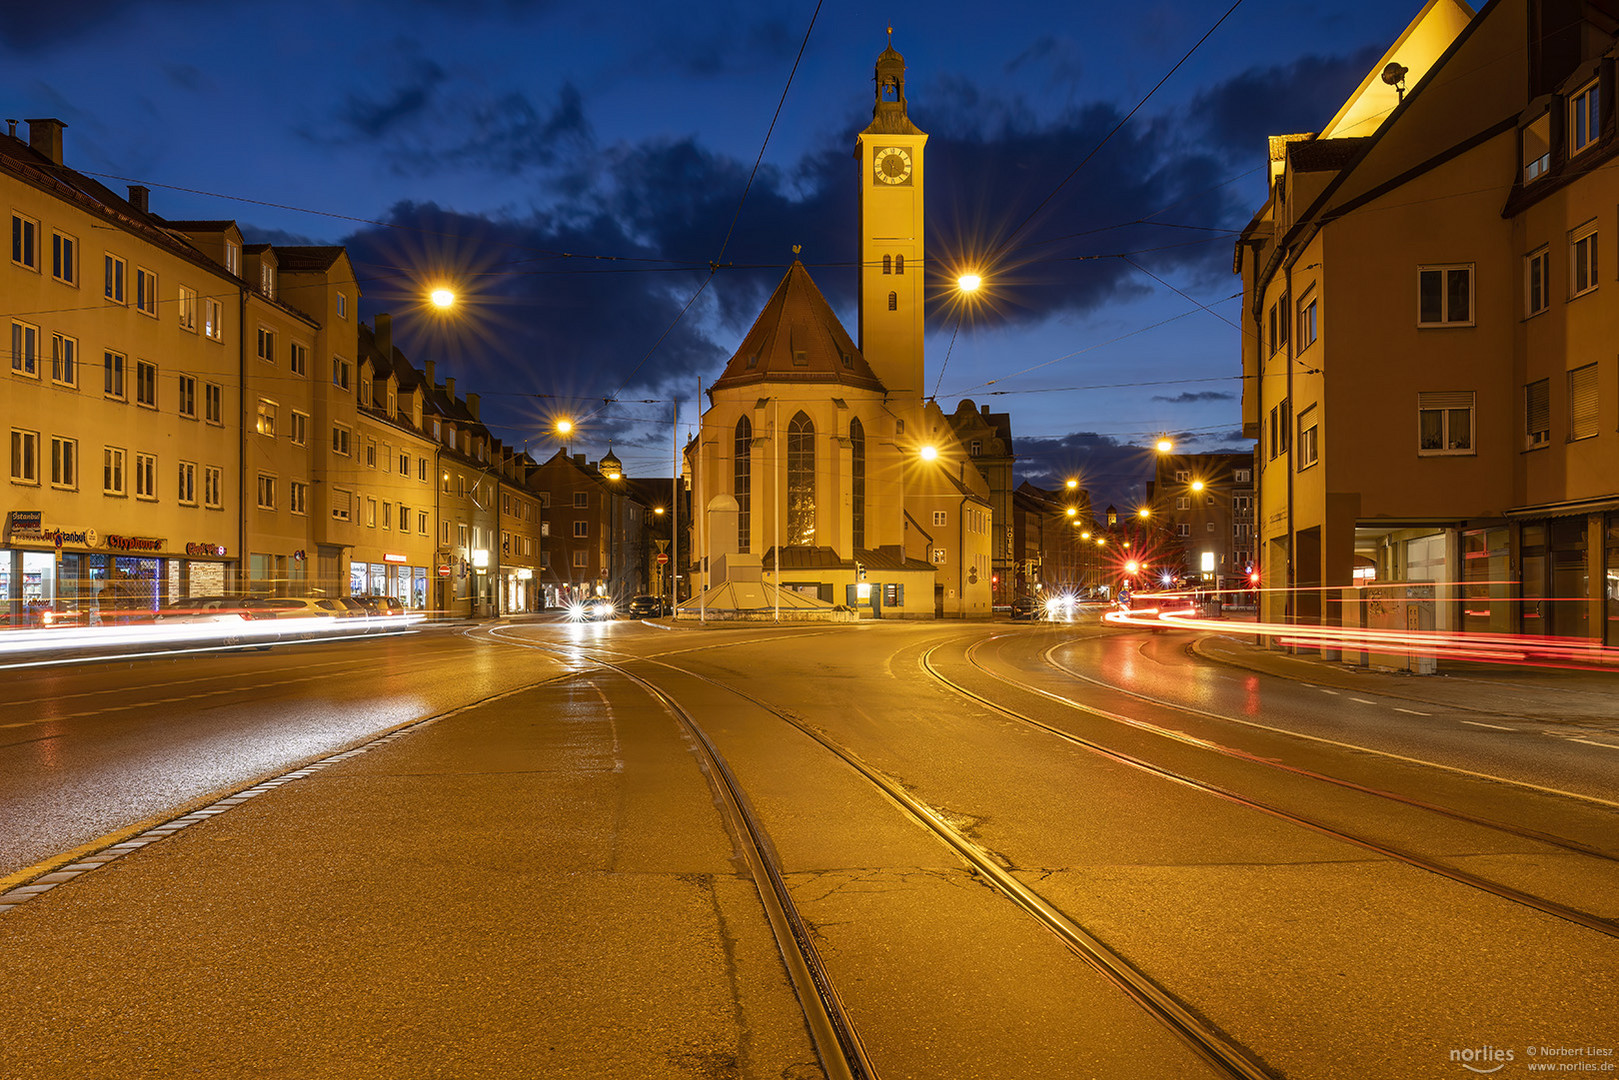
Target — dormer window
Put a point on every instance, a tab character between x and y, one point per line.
1584	119
267	280
1537	147
233	257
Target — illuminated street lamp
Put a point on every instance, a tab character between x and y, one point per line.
442	298
1198	485
1165	444
968	283
1144	512
929	453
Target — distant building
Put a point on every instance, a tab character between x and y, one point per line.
1204	504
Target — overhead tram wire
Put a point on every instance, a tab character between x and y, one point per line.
714	265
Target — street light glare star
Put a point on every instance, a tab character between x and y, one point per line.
564	426
443	298
1165	446
929	453
969	282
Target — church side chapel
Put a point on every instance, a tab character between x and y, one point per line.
820	467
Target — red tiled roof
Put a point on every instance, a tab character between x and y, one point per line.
797	338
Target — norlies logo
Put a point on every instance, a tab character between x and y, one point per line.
1474	1058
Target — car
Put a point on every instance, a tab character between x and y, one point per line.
381	605
206	609
1027	607
296	607
646	607
595	609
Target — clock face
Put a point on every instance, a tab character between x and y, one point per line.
891	165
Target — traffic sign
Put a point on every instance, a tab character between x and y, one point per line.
662	558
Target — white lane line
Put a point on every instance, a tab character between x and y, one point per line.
1492	727
1589	742
1411	712
1363	701
1324	690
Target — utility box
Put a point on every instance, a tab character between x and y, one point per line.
1398	607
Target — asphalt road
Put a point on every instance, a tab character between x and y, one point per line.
539	882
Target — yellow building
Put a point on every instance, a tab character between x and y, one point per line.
122	407
1428	351
821	442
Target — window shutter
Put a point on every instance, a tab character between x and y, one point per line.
1582	402
1537	411
1460	399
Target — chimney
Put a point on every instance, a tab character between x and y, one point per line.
384	338
449	388
431	385
472	405
578	459
138	196
45	136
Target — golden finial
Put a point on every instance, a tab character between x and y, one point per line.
797	248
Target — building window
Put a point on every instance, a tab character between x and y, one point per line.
1242	504
213	403
580	560
342	501
112	375
1445	423
1445	295
64	463
186	484
114	273
899	264
298	498
1183	502
213	487
888	264
1309	448
145	476
233	257
581	528
213	319
1183	476
64	360
146	384
266	422
421	470
404	518
112	470
1536	281
1245	476
938	518
1582	254
938	555
298	359
742	482
1309	321
1183	529
421	522
267	279
300	428
342	306
1584	118
1582	402
1537	414
857	509
801	481
145	291
579	500
340	440
975	448
24	456
25	242
404	465
341	373
1208	526
25	349
188	309
370	512
64	258
1537	143
266	345
893	301
370	453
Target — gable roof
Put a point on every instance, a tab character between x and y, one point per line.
797	338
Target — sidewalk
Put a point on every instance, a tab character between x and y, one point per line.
1534	693
533	886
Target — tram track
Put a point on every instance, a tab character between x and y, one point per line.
1226	1056
1568	913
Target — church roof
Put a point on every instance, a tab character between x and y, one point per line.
797	338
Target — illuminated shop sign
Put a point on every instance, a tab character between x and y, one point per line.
216	550
389	556
133	543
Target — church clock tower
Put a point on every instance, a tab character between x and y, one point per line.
891	253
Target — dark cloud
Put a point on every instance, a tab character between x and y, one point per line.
31	25
1191	397
1239	114
255	235
1059	57
1114	472
373	118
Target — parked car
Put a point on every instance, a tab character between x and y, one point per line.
296	607
381	605
646	607
351	607
206	609
1027	607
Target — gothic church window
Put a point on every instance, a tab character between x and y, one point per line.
893	301
888	264
857	510
742	482
899	264
801	481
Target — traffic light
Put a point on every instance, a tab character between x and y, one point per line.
995	579
859	571
1253	577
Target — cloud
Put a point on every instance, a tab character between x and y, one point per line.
1189	397
373	119
1239	114
1112	471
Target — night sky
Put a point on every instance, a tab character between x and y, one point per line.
574	169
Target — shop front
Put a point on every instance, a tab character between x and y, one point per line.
394	576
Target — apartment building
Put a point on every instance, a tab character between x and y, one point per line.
1429	316
594	545
122	402
1205	505
987	438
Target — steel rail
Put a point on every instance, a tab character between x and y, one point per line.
1242	755
1230	1058
1608	927
837	1043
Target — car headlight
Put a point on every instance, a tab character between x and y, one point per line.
606	608
576	611
1053	606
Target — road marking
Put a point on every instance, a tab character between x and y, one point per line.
1589	742
1412	712
1363	701
1324	690
1493	727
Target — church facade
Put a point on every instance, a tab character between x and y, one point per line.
849	486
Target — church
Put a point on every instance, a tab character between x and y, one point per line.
820	465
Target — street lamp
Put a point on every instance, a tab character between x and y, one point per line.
442	298
1165	444
929	453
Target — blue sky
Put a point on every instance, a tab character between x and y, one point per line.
575	168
